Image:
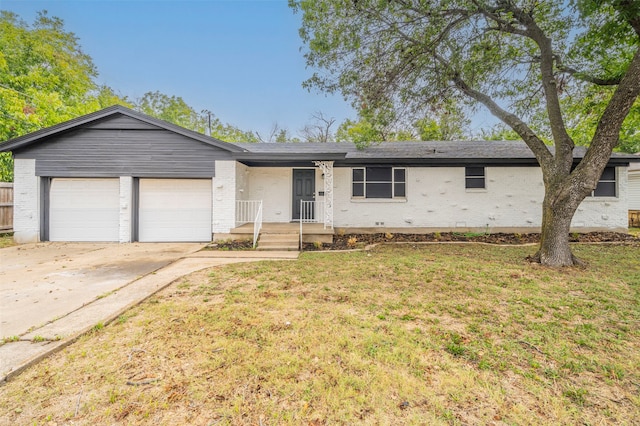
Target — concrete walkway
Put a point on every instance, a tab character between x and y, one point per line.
43	341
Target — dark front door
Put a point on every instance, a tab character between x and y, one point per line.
304	185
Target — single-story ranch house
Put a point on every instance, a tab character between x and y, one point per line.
118	175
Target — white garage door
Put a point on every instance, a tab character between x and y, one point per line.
174	210
84	209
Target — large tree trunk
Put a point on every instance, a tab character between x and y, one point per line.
554	238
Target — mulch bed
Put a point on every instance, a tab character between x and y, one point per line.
352	241
228	245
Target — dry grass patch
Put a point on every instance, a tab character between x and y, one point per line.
438	334
6	240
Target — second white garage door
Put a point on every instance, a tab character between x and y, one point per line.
174	210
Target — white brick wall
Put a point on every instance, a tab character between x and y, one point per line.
274	185
437	198
26	214
634	189
224	197
242	182
605	212
126	209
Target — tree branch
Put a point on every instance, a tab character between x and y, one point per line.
631	12
534	143
503	25
607	134
611	81
563	142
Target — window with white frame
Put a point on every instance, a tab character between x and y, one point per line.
378	182
474	178
606	184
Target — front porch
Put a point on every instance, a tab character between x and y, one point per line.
311	232
275	207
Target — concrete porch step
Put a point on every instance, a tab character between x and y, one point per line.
279	241
278	248
279	237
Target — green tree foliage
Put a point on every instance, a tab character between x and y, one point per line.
366	131
500	132
359	132
603	51
45	79
174	109
529	62
444	122
582	120
376	125
106	97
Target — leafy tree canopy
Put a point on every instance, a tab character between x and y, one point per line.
45	78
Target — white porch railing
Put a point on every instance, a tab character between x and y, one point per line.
311	212
257	225
250	211
246	211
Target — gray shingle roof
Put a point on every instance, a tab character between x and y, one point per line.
446	150
424	151
433	152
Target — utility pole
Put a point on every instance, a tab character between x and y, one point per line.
208	113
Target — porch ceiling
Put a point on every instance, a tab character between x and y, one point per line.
284	159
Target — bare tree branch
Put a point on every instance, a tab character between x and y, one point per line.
319	130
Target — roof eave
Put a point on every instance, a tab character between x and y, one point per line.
271	157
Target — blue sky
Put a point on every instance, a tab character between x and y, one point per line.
240	59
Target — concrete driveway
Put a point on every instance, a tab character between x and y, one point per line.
52	293
40	283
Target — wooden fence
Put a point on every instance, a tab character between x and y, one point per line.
6	206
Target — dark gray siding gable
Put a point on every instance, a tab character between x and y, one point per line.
123	147
120	122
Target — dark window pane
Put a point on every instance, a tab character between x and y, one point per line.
474	171
398	175
605	189
358	189
609	173
472	182
378	190
398	189
378	174
358	175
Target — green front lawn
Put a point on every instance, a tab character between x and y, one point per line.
403	334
